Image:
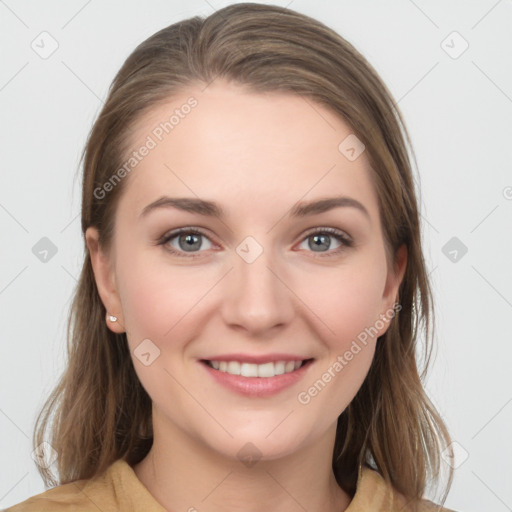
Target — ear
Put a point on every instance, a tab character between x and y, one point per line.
393	281
105	280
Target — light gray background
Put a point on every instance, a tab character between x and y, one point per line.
459	113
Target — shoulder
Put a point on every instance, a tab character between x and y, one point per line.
116	489
76	495
374	493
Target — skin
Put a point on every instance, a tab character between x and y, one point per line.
256	155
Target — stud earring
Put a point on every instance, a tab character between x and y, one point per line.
112	318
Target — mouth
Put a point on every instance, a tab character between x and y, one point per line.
265	370
266	377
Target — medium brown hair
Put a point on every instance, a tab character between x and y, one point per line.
99	412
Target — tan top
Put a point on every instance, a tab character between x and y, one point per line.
119	490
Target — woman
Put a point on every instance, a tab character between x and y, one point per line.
243	335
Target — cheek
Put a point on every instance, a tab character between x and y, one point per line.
158	303
154	303
348	305
345	301
155	295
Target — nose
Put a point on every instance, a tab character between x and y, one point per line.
256	296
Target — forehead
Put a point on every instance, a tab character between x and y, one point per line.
246	149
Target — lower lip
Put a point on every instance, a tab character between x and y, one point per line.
257	386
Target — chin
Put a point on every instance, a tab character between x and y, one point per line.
257	442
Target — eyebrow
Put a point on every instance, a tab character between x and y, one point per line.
211	209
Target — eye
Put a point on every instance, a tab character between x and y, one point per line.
189	242
321	238
185	240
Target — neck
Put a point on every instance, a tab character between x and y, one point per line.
183	474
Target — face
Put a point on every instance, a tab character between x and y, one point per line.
247	283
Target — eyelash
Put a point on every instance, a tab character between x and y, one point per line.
335	233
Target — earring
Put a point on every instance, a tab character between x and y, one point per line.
112	318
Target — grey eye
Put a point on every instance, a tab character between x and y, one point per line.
320	242
189	242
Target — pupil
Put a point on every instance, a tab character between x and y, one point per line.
321	239
190	244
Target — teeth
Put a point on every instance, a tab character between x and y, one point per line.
256	370
266	370
279	367
249	370
234	367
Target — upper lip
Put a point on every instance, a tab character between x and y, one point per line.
256	359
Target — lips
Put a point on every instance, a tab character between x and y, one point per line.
256	375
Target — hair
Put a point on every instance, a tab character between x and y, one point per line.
99	412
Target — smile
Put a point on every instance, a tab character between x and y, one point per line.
266	370
262	378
